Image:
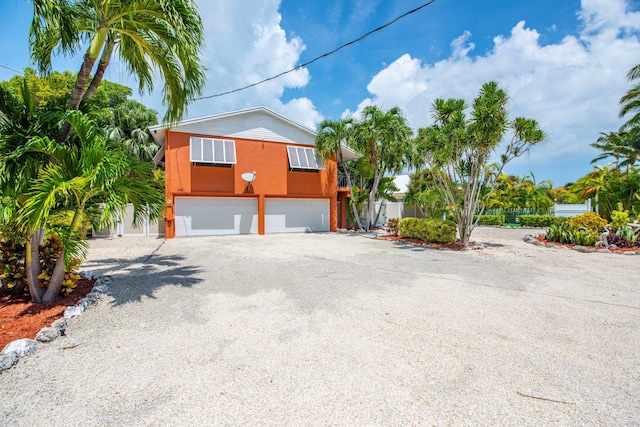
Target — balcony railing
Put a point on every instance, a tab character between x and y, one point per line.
342	180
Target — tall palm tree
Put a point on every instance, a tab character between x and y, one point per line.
385	139
623	146
631	100
331	136
81	175
147	35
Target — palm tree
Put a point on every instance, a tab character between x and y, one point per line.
631	100
131	121
331	136
82	175
21	120
147	35
385	139
624	144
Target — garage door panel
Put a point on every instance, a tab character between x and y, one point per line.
296	215
207	216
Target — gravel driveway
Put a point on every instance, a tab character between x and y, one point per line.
319	329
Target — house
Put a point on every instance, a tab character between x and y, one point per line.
247	171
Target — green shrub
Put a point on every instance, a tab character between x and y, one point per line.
563	233
541	220
392	225
490	219
429	230
12	272
12	264
620	217
589	220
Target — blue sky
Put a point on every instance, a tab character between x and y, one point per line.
562	62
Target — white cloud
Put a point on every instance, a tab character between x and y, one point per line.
572	87
244	44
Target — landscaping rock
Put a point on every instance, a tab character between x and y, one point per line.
580	248
73	311
102	289
48	334
8	359
23	347
60	323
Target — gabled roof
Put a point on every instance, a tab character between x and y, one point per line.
257	123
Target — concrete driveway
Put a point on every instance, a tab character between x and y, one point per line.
319	329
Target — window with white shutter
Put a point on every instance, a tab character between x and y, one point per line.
304	158
212	151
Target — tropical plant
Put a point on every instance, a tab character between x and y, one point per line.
458	150
623	146
631	100
384	139
82	174
588	220
422	192
392	225
620	217
331	136
149	36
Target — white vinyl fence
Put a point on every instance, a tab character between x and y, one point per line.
125	227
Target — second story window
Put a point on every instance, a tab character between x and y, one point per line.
212	151
304	158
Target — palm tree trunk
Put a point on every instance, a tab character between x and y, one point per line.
32	265
353	205
102	66
78	92
372	199
57	277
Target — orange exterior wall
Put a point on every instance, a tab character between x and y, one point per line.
273	177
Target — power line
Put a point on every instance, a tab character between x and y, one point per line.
324	55
11	69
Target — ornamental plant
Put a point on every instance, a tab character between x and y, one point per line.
589	220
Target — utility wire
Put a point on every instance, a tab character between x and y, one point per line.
318	57
11	69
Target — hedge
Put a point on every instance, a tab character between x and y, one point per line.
490	219
541	220
429	230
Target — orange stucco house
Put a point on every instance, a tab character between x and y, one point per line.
247	171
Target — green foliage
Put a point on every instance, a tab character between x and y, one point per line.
393	225
611	185
620	217
564	233
624	237
12	270
428	230
489	219
157	41
458	149
541	220
50	250
589	220
423	192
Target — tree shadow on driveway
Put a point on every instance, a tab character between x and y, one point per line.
134	279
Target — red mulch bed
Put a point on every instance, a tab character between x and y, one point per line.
20	318
545	241
451	246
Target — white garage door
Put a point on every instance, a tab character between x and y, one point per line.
208	216
296	215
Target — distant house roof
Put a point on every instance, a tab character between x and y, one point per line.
257	123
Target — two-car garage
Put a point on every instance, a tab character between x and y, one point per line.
208	216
